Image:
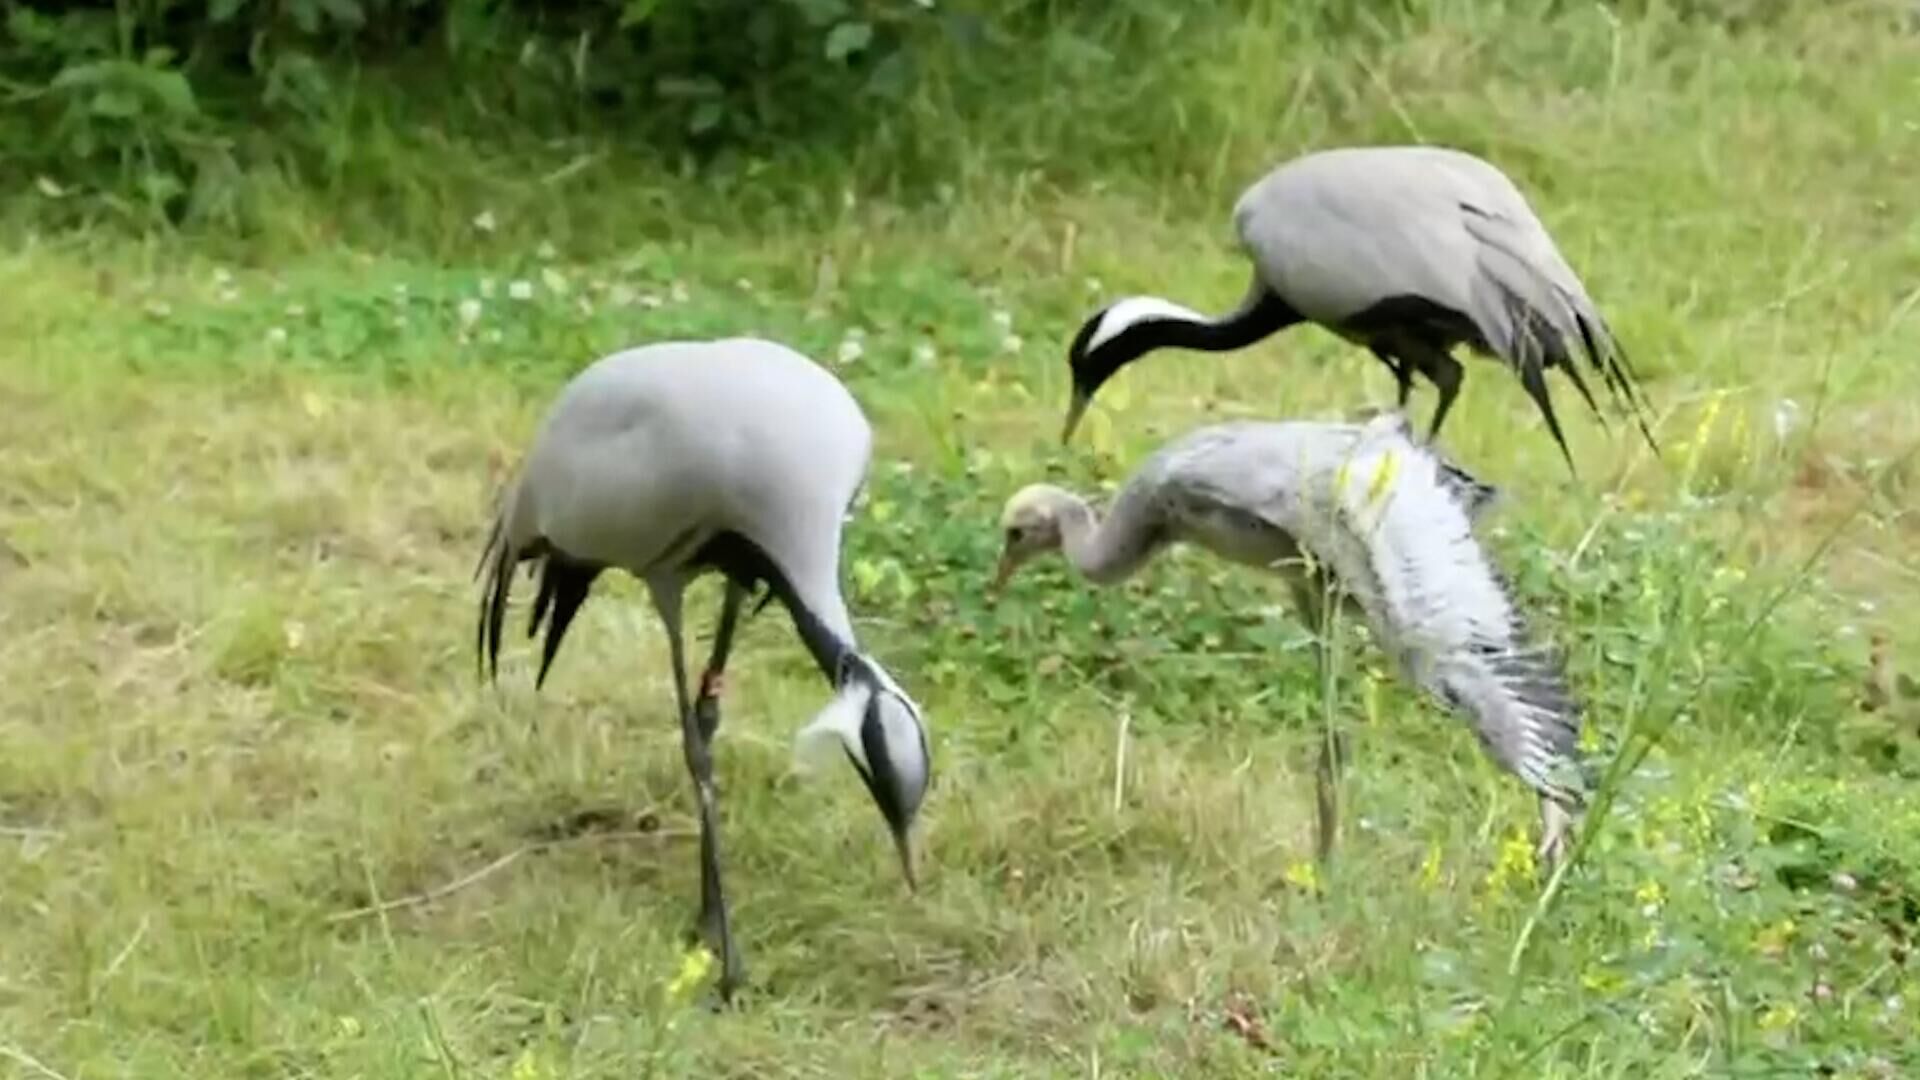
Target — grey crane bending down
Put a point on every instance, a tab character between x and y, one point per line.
1407	250
1364	512
740	456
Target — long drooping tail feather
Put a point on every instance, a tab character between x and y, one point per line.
1537	317
564	585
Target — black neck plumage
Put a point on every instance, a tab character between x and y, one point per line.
747	565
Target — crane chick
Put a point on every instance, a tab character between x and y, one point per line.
1361	512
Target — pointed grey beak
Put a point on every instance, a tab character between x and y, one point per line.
1075	409
903	843
1008	564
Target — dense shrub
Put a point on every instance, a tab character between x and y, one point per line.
164	98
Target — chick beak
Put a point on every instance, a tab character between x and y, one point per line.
903	843
1008	564
1075	409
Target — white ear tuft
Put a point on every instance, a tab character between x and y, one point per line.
1124	313
835	727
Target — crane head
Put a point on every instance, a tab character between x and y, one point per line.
1114	337
1030	526
881	732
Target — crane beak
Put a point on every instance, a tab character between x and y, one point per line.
1008	564
1075	409
903	843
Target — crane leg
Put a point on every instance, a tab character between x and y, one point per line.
1556	827
1309	595
1402	375
706	705
713	923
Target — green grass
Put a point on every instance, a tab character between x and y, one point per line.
246	479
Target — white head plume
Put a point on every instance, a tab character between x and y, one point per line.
1124	313
836	726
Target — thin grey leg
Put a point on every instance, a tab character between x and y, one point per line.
1309	595
707	705
1556	828
713	922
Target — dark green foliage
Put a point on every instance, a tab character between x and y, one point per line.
163	91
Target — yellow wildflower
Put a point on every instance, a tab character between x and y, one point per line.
694	966
1779	1017
1650	895
1601	980
1515	862
1303	875
528	1066
1773	940
1430	869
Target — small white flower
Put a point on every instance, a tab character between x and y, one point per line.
277	336
856	333
228	296
923	353
1786	417
296	311
744	285
469	311
546	252
1094	285
222	276
1004	320
622	296
851	350
552	279
1011	343
486	288
159	309
520	289
677	293
1868	607
650	300
484	221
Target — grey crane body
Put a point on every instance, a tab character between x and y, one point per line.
1409	251
740	457
1366	516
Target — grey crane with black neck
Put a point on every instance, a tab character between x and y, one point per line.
1407	250
738	456
1361	512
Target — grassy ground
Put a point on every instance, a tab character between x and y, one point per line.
242	486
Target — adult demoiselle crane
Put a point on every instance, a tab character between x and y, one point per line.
1407	250
740	456
1362	512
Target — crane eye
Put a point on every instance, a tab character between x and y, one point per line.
1015	534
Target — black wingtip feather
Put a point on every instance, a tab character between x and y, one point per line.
1606	355
493	606
1533	378
571	583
